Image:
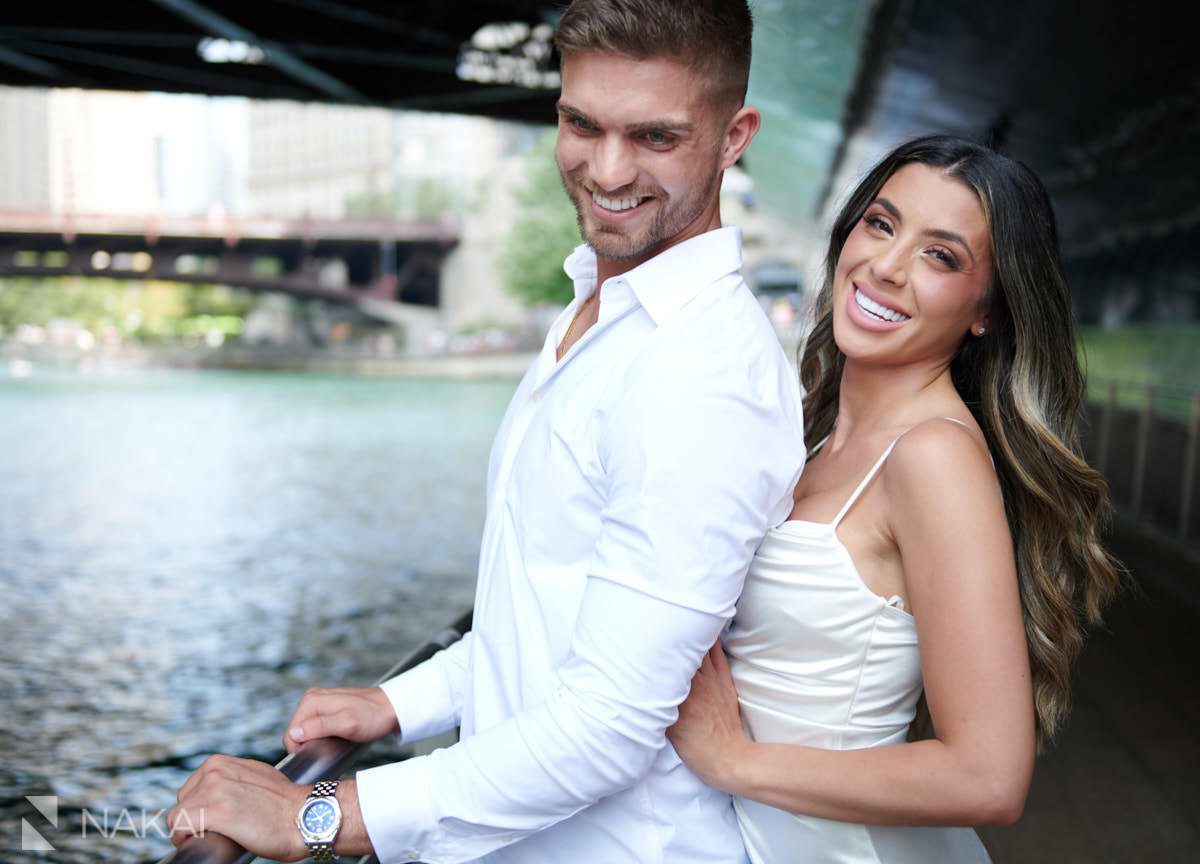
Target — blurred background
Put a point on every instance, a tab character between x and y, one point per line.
269	271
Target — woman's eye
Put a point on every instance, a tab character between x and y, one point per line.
877	223
945	256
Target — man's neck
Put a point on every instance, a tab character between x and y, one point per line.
587	315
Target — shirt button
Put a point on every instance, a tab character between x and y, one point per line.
413	855
537	396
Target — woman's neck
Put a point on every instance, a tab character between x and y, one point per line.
873	399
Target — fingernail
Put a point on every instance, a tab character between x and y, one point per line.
296	732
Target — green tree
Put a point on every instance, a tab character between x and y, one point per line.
37	300
419	198
432	198
371	204
543	233
148	311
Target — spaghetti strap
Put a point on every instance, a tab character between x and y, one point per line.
875	470
863	484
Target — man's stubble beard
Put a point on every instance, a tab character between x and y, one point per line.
671	219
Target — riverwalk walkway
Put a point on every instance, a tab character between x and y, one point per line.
1123	783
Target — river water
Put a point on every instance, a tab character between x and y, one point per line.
182	553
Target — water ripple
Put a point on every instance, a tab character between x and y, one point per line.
182	554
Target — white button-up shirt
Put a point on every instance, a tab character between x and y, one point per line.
628	487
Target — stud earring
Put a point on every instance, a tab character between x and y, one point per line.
980	331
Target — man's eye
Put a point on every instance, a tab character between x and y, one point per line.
579	124
659	138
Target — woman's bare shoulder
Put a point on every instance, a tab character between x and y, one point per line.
939	458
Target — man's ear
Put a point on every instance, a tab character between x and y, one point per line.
739	132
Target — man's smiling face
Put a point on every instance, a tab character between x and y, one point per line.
639	151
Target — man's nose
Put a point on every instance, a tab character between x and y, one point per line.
613	165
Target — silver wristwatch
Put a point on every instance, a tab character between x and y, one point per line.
319	820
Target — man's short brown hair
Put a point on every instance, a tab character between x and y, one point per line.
710	36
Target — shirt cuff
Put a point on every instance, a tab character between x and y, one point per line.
422	701
396	810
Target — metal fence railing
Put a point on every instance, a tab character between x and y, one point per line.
1144	440
319	759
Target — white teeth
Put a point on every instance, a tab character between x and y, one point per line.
877	310
615	204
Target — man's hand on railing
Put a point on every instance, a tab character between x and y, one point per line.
247	801
336	724
359	714
255	806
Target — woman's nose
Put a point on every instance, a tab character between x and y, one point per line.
890	265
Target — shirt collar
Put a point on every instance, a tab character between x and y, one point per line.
664	284
580	268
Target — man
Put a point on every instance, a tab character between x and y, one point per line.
642	459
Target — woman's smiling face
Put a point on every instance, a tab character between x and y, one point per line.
913	274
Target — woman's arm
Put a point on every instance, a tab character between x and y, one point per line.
947	519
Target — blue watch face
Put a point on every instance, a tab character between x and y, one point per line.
319	817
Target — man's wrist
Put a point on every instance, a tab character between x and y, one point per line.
387	708
299	848
352	839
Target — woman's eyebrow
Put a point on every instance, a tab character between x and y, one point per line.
891	208
948	236
951	237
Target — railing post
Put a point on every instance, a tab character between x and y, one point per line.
1141	447
1189	468
1105	432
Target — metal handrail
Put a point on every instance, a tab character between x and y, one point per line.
320	759
1098	386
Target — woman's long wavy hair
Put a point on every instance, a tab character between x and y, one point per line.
1023	384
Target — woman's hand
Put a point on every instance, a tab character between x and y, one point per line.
708	735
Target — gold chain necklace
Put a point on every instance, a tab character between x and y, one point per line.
574	320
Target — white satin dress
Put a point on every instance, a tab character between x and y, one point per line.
819	659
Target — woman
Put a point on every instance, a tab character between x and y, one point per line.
943	539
